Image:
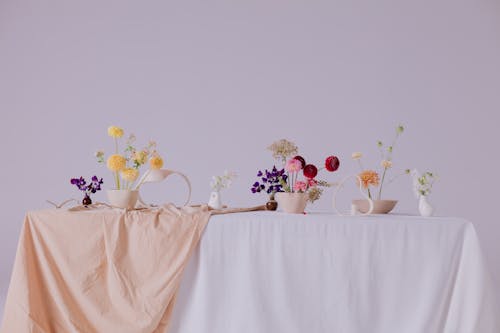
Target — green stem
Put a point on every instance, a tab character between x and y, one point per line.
117	178
381	184
369	193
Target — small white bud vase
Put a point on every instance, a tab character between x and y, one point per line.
424	207
215	201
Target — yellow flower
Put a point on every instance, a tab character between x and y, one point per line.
386	164
356	155
156	162
116	162
368	177
130	174
115	132
140	157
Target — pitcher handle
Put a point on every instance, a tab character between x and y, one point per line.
341	185
188	182
170	172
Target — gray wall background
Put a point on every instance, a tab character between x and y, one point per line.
215	82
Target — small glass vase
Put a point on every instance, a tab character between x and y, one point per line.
272	204
86	200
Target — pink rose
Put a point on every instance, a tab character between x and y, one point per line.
300	186
293	165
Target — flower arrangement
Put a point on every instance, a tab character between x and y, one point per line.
92	187
370	177
125	166
219	183
422	184
269	182
309	184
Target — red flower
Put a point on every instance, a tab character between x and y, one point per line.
301	159
310	171
332	163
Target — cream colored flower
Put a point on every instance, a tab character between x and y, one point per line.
130	174
100	156
115	132
140	157
314	193
116	162
386	164
356	155
131	139
156	162
283	149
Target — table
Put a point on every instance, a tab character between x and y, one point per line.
112	271
273	272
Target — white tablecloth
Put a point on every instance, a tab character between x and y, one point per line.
273	272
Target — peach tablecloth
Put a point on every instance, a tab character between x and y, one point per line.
100	270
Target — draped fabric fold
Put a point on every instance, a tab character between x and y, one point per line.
100	270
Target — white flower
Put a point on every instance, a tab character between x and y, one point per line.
221	182
131	139
386	164
422	184
356	155
99	155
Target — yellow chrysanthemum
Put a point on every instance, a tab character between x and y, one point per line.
116	162
130	174
156	162
115	131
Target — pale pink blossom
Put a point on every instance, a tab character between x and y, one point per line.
293	165
300	186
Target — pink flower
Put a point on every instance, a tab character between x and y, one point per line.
293	165
300	186
312	182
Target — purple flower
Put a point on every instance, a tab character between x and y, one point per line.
93	187
271	181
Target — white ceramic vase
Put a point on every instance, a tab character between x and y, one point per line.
379	206
424	207
125	199
293	203
215	201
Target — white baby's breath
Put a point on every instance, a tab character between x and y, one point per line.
221	182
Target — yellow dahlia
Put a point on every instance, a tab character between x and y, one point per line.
115	132
156	162
130	174
368	177
116	162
